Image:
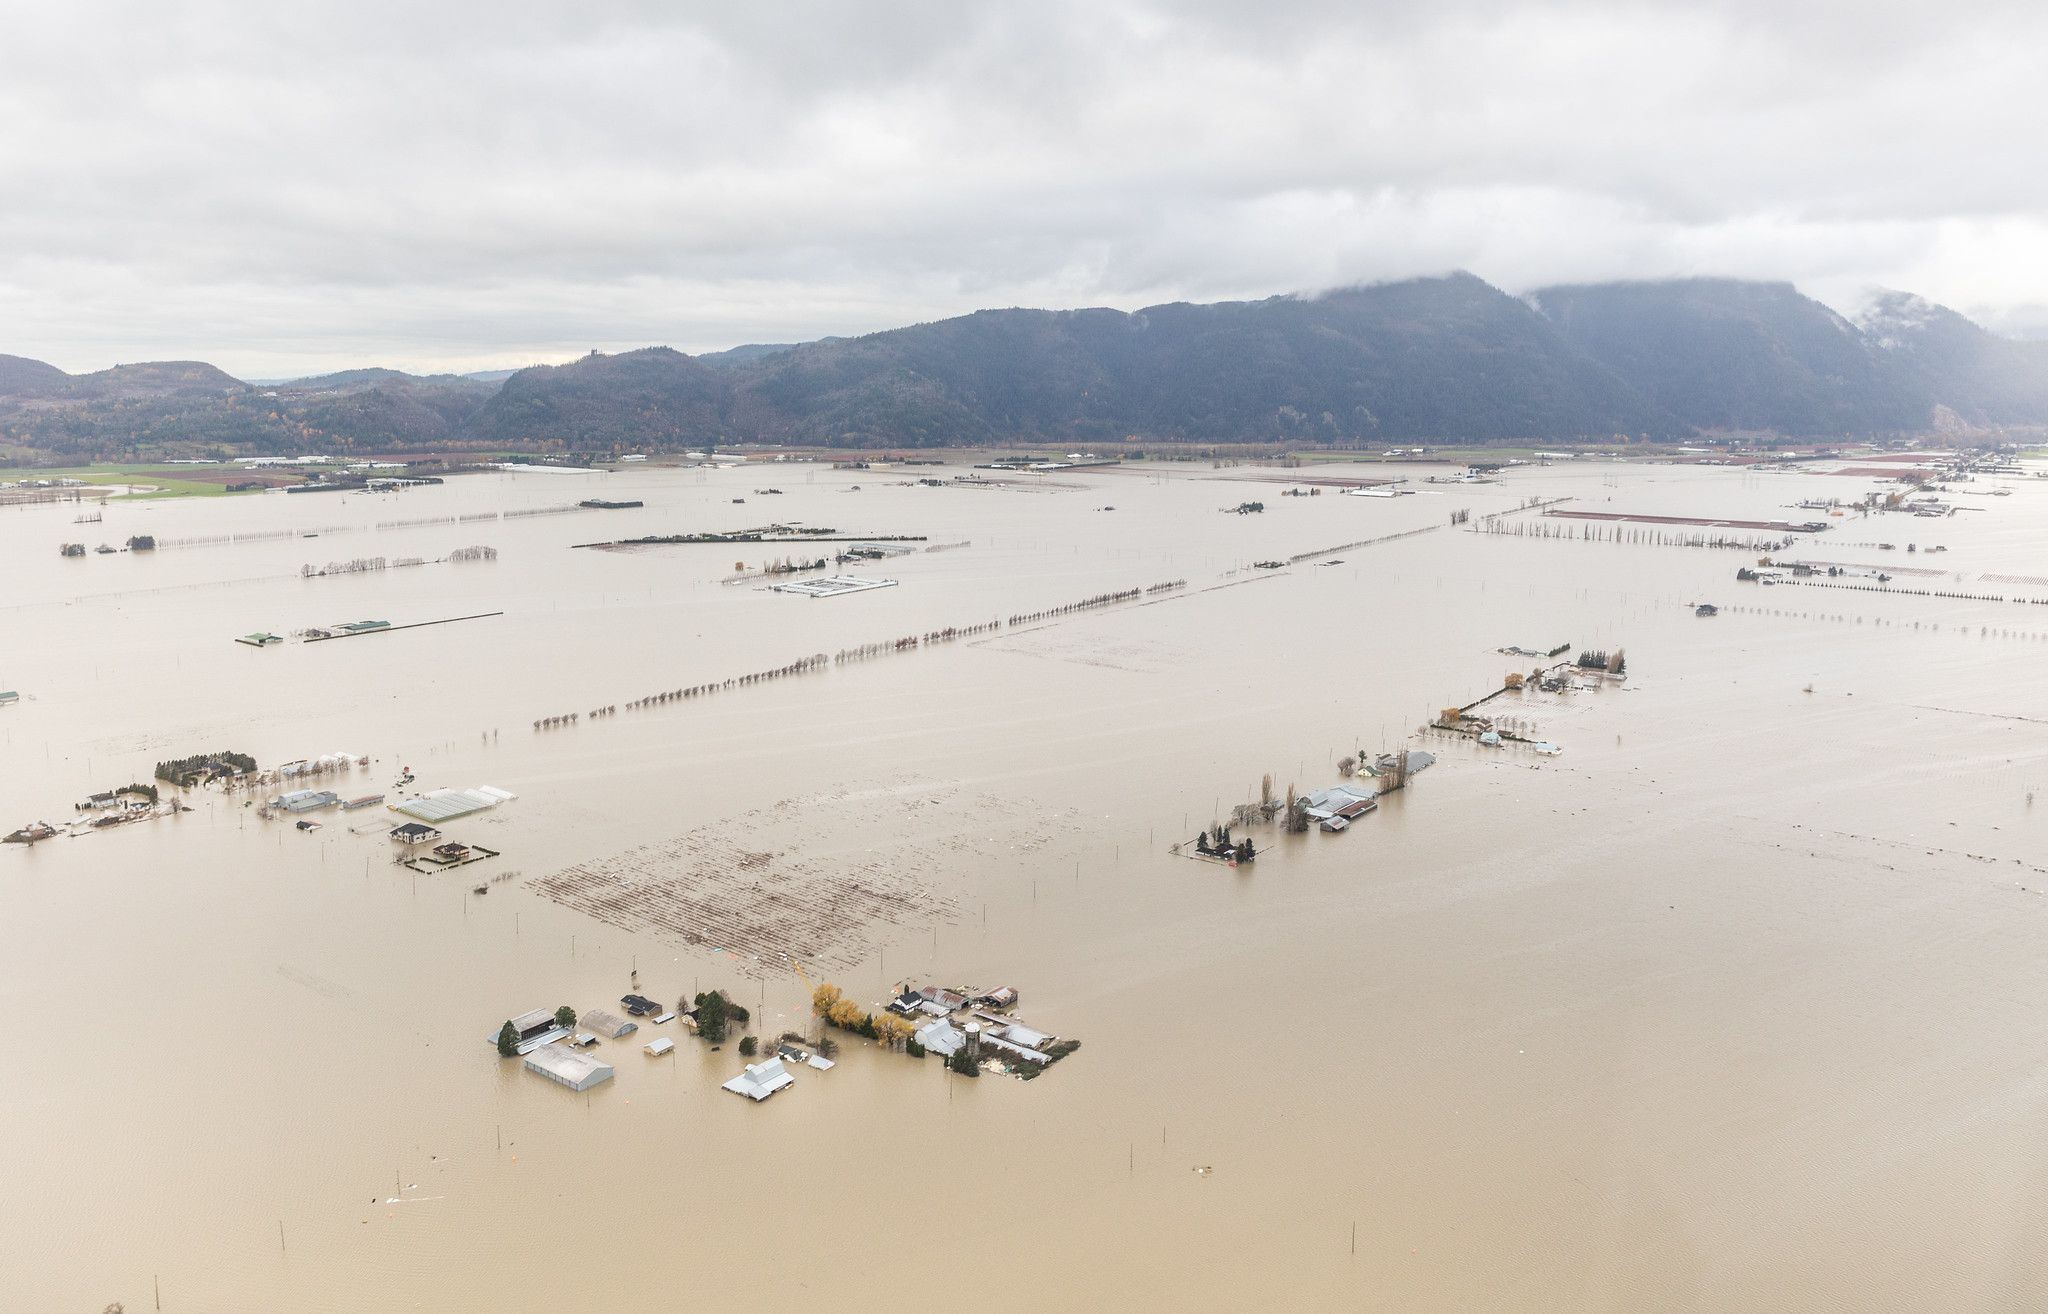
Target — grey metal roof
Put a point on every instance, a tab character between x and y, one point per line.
606	1024
575	1070
941	1037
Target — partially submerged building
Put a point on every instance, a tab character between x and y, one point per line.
760	1080
574	1069
448	804
609	1025
941	1038
306	800
412	832
533	1030
1346	801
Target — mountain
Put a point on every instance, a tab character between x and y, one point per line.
1440	360
1724	354
1446	359
1978	376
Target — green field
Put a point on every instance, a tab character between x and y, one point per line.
166	481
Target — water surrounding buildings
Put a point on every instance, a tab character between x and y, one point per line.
1731	1006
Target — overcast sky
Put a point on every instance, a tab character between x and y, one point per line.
288	188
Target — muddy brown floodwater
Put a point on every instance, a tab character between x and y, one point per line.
1738	1003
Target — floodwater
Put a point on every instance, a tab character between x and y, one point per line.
1736	1004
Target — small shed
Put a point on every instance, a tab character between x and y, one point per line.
609	1025
660	1047
760	1080
577	1071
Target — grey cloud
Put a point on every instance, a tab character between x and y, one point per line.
308	186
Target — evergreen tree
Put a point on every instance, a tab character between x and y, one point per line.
508	1040
711	1020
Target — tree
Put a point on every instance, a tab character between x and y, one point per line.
508	1040
823	998
1297	812
891	1030
565	1018
711	1020
913	1048
846	1015
962	1064
747	1046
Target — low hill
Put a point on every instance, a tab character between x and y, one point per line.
650	397
157	378
22	377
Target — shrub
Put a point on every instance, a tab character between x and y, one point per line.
747	1047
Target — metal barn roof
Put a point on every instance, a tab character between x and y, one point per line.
446	804
574	1070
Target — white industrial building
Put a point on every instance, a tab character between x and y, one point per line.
577	1071
306	800
760	1080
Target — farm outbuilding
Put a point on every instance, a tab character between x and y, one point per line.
609	1025
760	1080
575	1070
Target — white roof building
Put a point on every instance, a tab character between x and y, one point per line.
760	1080
941	1038
577	1071
1338	801
306	800
447	804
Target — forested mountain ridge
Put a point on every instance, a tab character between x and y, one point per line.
1725	354
1440	360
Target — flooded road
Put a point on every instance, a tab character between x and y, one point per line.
1737	1003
